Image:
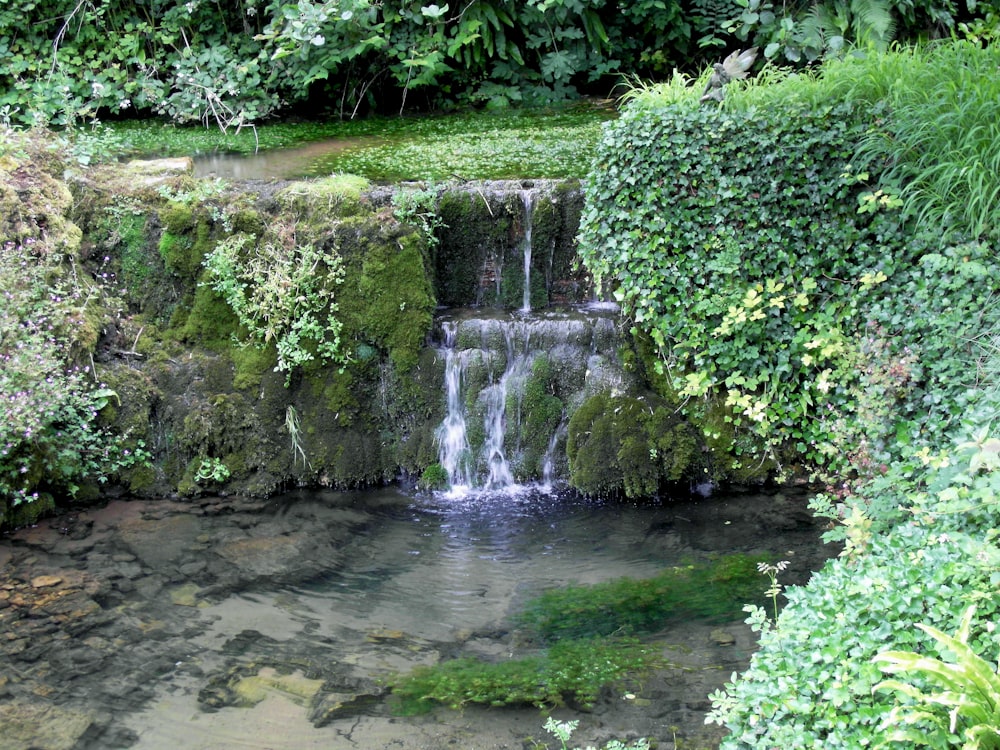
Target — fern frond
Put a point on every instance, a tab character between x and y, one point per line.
873	22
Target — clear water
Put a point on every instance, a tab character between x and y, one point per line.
346	588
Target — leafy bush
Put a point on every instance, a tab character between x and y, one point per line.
925	551
734	242
803	32
778	278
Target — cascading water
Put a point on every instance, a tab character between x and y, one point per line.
528	198
510	383
454	453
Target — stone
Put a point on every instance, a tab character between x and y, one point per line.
41	582
722	637
156	170
186	595
36	725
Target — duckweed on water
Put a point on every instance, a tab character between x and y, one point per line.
471	145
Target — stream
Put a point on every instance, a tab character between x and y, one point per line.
224	622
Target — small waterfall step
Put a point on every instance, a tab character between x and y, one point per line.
512	381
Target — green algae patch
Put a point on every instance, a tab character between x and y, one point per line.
570	671
715	591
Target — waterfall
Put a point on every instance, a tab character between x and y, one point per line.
454	453
528	199
511	381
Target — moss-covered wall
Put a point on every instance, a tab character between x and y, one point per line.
479	259
202	395
205	399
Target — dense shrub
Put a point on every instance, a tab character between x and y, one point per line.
922	551
780	280
234	63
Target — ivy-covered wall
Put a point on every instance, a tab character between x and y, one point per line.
788	306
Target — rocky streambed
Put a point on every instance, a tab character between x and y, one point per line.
227	622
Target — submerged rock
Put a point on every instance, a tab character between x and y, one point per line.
41	725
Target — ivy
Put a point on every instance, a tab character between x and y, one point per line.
779	282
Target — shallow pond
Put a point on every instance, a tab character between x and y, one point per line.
230	623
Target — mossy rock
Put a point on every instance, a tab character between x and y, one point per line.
26	513
336	196
386	299
631	446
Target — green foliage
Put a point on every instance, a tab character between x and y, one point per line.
925	548
233	64
801	32
563	730
283	294
212	470
570	670
434	477
845	317
966	706
934	113
713	591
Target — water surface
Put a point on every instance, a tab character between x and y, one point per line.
228	623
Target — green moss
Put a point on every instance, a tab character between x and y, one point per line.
629	445
26	514
137	273
471	240
395	303
210	321
185	239
251	365
541	413
338	195
336	392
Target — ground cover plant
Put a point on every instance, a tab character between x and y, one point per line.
924	548
539	143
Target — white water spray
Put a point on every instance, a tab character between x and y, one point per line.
454	453
528	199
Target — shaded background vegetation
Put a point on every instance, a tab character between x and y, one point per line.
236	62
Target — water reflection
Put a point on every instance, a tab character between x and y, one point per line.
276	164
